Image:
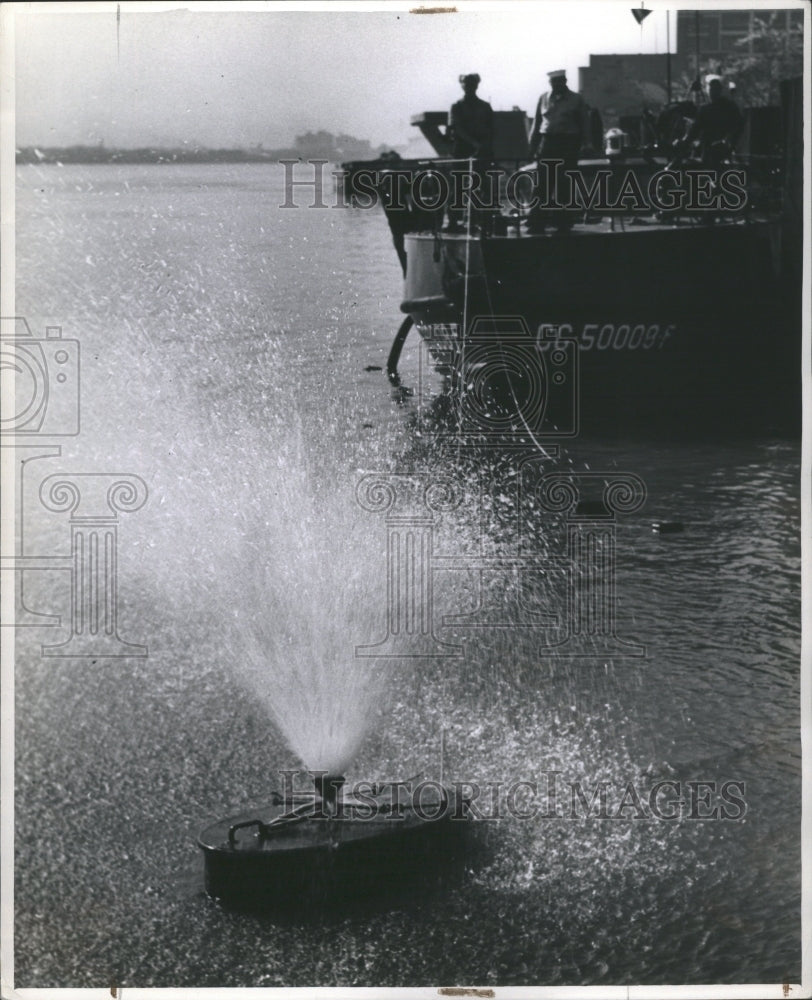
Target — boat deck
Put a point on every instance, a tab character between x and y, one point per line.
608	225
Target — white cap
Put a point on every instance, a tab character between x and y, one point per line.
556	73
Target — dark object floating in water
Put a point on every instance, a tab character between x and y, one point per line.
373	368
368	426
328	850
667	527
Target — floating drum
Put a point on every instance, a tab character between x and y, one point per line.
329	850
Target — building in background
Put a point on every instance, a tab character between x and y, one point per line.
730	32
621	87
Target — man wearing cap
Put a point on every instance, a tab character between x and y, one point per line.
471	122
470	127
560	130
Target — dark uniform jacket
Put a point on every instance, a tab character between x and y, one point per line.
471	125
721	119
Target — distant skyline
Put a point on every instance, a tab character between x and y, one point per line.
238	78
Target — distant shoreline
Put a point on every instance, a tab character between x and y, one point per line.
151	154
158	154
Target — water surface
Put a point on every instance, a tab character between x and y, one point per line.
225	343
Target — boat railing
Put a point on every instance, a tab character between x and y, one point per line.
499	194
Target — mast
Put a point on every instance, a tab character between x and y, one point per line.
696	86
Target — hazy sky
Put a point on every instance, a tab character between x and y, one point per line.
238	77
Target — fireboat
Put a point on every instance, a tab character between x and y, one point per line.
639	316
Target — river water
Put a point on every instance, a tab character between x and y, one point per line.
226	347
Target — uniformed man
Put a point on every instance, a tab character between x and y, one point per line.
718	125
470	127
471	122
560	130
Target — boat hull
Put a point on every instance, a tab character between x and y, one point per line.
684	328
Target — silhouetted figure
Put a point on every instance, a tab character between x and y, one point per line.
718	125
471	122
470	127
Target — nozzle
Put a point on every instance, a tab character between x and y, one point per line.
328	787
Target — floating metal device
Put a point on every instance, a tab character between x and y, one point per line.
328	849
